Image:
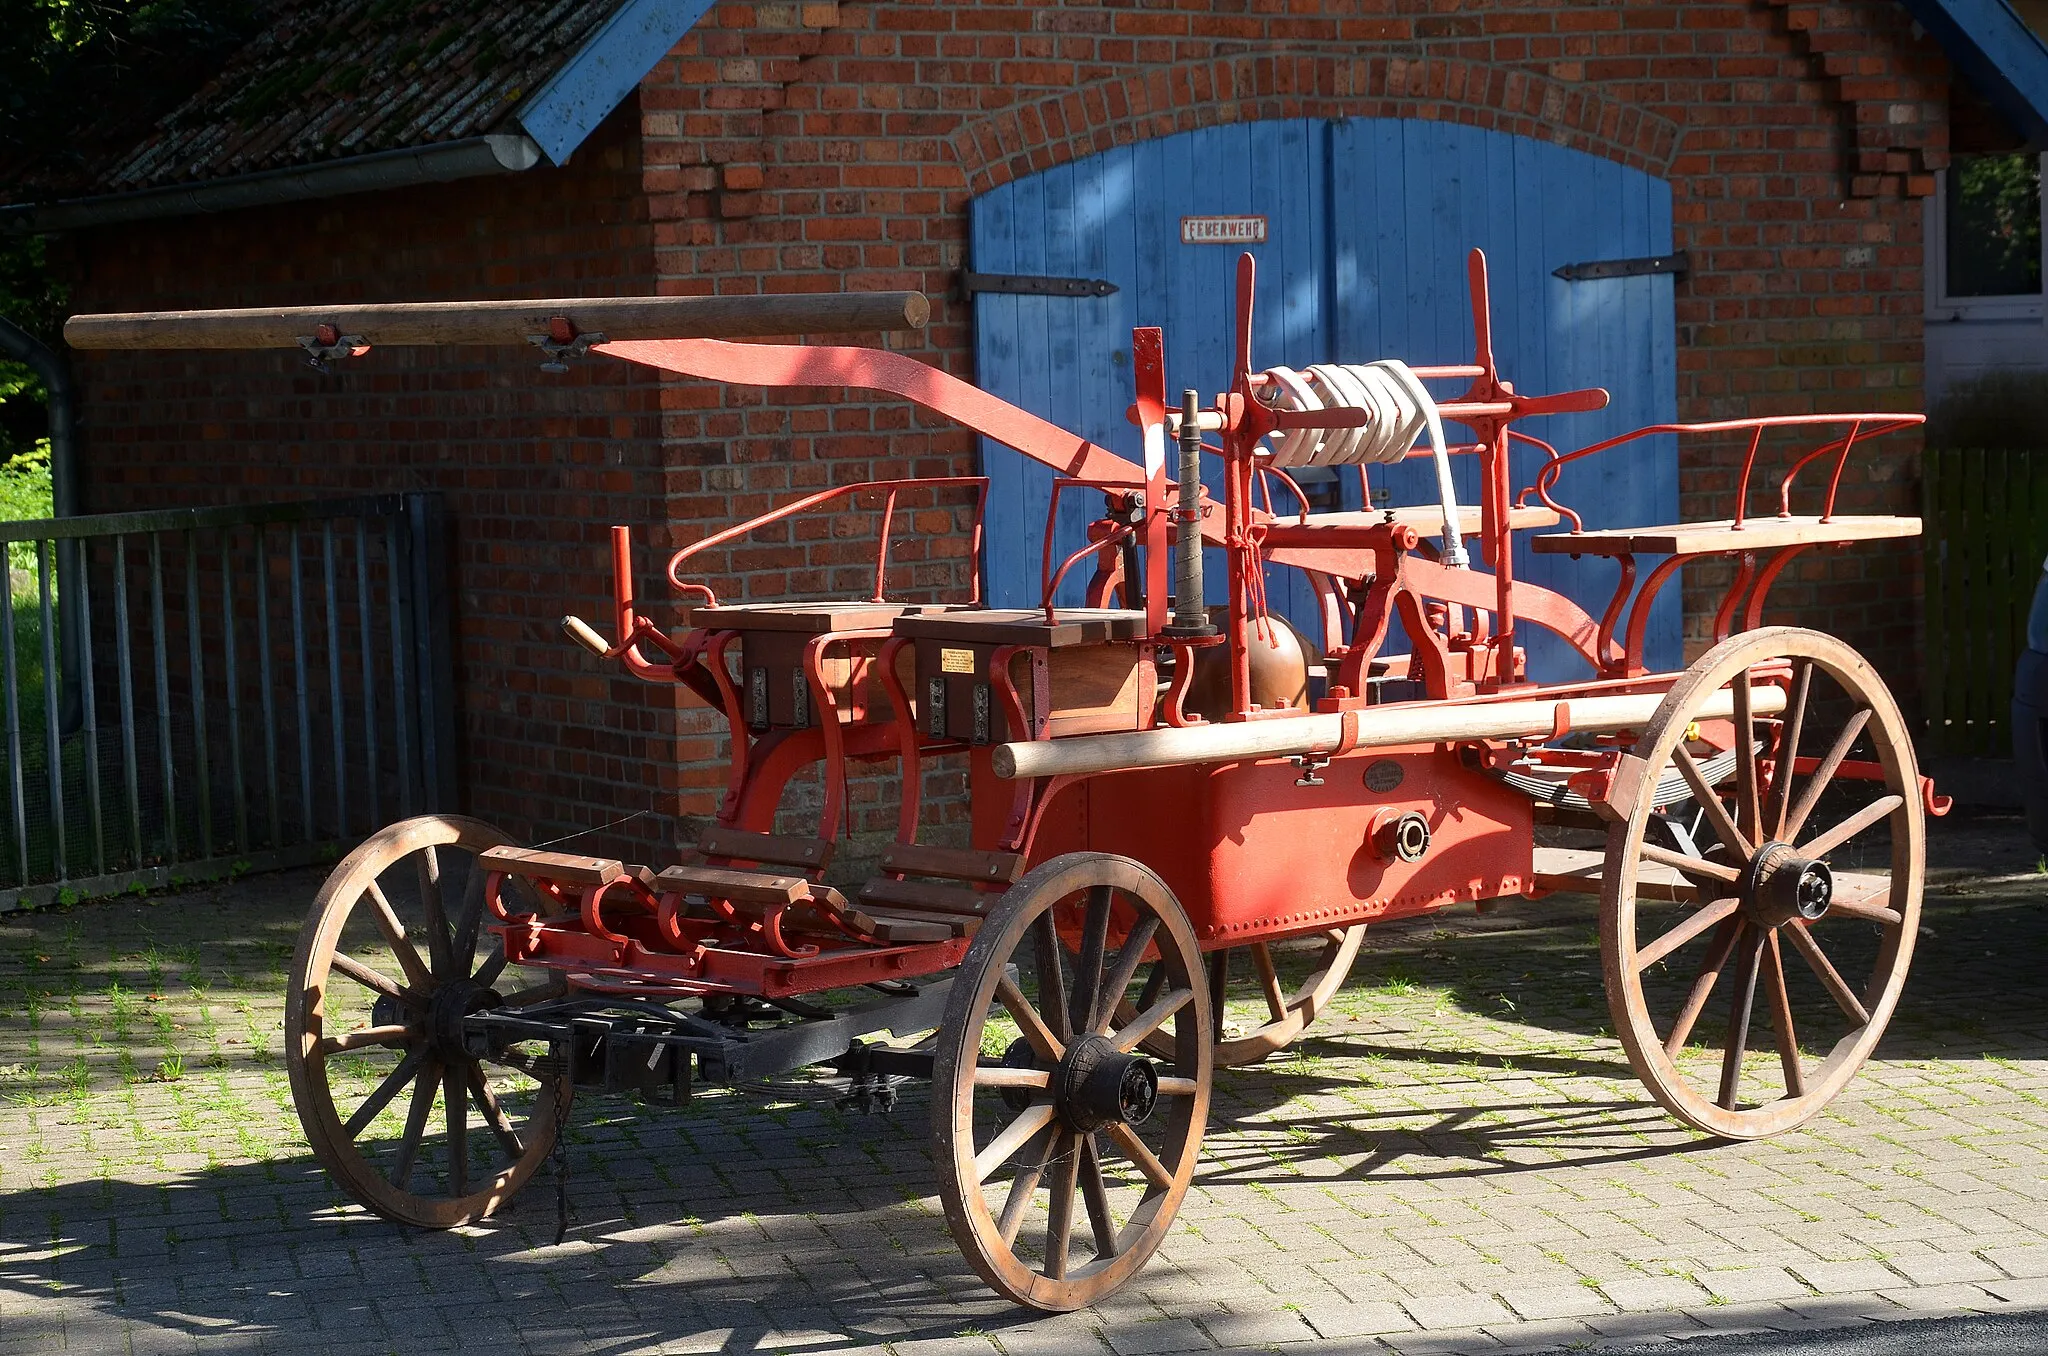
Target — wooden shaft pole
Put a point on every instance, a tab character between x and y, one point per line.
506	322
1408	724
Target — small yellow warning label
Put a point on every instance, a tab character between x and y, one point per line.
956	661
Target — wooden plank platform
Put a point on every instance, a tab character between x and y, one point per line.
1755	534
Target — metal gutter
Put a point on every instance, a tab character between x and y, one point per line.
495	153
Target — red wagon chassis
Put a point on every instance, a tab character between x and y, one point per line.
1162	793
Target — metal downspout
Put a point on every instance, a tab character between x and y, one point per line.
50	365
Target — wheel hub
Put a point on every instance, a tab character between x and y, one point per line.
449	1004
1781	886
1096	1084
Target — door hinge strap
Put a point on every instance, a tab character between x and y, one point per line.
1035	285
1673	264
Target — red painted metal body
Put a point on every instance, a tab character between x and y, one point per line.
1253	848
1252	854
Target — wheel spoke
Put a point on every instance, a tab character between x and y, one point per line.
1151	1019
1034	1027
470	921
1702	987
1219	987
380	1096
1780	802
416	972
988	1076
487	973
1269	979
1751	948
494	1114
1052	982
1059	1224
456	1106
363	1036
1804	942
1691	866
1869	913
1747	805
1088	965
1029	1122
1781	1017
1136	1150
1710	802
1127	962
1692	926
554	986
1824	772
1095	1192
1022	1187
428	862
424	1085
1853	825
371	979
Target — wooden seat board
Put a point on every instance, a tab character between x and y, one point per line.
1755	534
814	618
1025	626
1427	519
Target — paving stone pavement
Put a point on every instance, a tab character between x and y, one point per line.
1457	1160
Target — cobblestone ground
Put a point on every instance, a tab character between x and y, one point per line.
1458	1160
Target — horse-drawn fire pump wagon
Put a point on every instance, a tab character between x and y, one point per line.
1172	803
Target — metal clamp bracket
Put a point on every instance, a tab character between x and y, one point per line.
327	343
562	342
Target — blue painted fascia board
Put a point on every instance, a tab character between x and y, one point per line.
593	82
1995	50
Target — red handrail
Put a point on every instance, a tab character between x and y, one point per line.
889	488
1862	426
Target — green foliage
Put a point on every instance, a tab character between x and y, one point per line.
1994	225
25	493
81	80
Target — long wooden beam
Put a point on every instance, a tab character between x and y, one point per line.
1402	725
505	322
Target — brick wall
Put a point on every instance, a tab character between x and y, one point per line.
791	146
534	466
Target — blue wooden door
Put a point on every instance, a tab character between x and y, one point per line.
1369	221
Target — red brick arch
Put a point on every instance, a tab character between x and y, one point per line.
1022	140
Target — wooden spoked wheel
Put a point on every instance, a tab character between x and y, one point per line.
1041	1096
1812	847
391	958
1255	1010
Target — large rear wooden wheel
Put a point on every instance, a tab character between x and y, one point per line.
1257	1007
1048	1119
1813	847
391	958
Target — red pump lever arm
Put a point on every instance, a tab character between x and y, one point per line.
873	369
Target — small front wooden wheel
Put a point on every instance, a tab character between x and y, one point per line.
391	958
1254	1009
1042	1096
1814	846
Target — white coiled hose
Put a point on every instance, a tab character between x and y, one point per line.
1399	409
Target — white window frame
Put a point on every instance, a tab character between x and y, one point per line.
1942	306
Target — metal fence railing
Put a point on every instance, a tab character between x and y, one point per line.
192	693
1986	530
